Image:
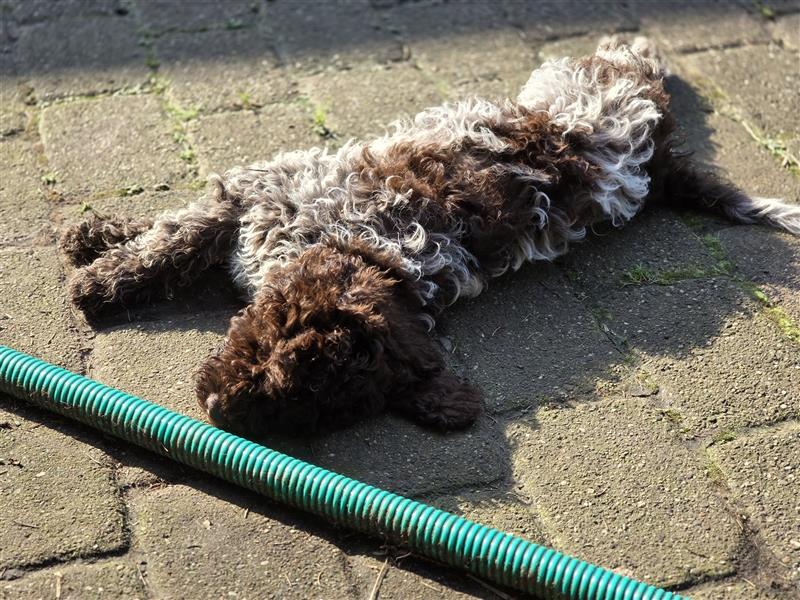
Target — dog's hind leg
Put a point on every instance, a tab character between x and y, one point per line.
171	253
83	243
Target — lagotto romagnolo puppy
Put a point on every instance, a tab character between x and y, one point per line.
346	257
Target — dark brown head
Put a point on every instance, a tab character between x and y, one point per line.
332	339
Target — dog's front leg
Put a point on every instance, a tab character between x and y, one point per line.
171	253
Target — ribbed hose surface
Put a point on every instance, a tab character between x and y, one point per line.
434	533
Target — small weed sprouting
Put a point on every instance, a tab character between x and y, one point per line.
85	207
638	275
320	123
188	155
673	415
723	437
715	473
775	313
49	179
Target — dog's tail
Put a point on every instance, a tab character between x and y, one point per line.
685	187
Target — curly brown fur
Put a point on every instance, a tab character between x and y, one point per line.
81	244
332	339
170	254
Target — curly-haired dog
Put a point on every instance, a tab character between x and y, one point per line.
347	256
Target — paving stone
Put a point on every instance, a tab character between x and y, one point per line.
573	47
769	259
35	314
213	541
222	69
87	55
146	204
24	207
491	64
156	359
330	34
600	264
356	103
542	21
689	26
707	355
60	498
241	138
787	31
198	15
14	113
762	81
107	579
736	591
110	144
411	577
613	487
763	472
723	145
33	11
394	454
526	340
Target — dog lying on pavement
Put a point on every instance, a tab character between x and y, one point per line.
346	257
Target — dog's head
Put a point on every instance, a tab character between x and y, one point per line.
323	345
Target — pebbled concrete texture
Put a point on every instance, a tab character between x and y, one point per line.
93	148
642	394
204	537
245	137
604	474
80	56
762	469
60	497
91	580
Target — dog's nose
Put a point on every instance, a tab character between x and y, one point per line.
213	407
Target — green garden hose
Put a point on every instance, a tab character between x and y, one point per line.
486	552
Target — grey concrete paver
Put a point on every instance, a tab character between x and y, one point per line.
241	138
787	31
159	16
542	21
707	355
209	541
24	207
612	485
395	454
35	315
81	581
222	69
409	577
769	259
745	590
760	81
527	340
60	500
33	11
87	55
93	146
762	470
460	66
334	35
721	143
160	357
711	27
355	103
609	257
